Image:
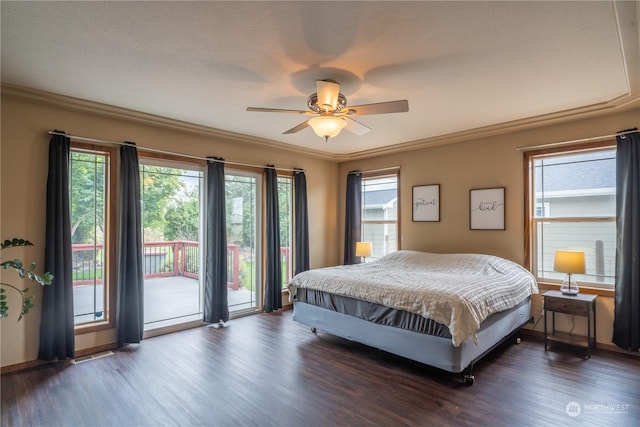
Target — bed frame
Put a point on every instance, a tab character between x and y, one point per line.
431	350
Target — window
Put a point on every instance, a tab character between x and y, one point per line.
171	194
91	175
572	206
243	191
380	213
285	209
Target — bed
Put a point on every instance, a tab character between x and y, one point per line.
443	310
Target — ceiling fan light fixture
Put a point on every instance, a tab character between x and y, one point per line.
331	111
327	126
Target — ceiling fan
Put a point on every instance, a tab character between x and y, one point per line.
331	113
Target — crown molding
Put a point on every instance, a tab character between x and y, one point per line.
616	105
86	106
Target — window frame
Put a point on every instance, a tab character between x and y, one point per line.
174	161
530	221
289	176
376	175
260	237
110	237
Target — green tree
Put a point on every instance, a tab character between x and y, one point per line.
183	217
87	182
240	227
159	186
285	185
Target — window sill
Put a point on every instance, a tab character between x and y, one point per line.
546	286
93	327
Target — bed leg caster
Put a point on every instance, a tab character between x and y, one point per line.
518	340
314	330
467	375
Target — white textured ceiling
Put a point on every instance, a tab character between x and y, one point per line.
461	65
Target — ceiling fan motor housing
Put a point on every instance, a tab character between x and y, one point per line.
312	103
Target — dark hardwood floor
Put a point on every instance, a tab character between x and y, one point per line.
267	370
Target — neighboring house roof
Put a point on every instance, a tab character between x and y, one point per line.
379	197
581	174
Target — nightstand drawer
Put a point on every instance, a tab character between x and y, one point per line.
583	305
566	305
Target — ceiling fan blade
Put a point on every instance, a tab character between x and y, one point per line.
327	94
297	128
379	108
276	110
356	127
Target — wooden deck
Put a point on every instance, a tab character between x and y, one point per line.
167	298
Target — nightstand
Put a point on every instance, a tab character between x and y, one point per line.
577	305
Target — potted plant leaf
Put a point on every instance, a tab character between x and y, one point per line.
24	273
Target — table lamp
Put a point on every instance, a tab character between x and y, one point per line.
363	250
570	262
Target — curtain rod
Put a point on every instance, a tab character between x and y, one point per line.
376	170
154	150
575	141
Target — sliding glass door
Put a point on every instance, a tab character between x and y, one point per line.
172	204
171	217
243	198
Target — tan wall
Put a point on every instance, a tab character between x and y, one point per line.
483	163
487	162
24	153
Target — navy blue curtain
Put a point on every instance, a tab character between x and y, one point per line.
300	223
353	216
57	339
626	322
216	306
273	268
130	299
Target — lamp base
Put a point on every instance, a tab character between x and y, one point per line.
569	287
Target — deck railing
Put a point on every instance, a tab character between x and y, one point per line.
161	259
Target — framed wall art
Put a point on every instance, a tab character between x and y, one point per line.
486	209
426	203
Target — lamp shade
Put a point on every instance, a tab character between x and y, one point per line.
363	249
569	262
327	126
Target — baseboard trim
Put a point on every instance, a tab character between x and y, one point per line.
24	365
36	363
